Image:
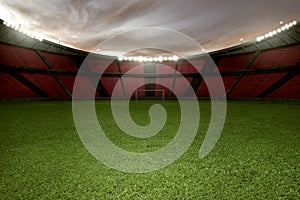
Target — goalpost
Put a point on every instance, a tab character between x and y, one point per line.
162	96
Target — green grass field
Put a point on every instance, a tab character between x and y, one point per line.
256	157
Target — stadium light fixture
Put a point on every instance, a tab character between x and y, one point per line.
160	59
19	28
148	58
275	31
175	58
140	58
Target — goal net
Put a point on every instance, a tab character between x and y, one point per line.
150	94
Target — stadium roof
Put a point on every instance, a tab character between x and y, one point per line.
214	24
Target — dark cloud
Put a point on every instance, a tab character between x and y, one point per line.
215	24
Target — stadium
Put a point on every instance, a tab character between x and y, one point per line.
232	109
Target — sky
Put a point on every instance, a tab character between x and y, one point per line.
117	27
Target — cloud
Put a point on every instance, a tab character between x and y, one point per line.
214	24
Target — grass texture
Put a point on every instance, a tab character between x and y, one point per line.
256	157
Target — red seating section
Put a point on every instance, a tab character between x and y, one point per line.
235	62
60	62
68	82
250	86
203	90
85	88
180	87
20	57
11	88
290	90
186	67
126	66
109	84
99	65
198	63
46	83
278	57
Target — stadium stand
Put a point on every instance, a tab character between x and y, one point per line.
126	66
203	92
269	72
250	86
185	67
234	62
60	62
99	65
20	57
109	84
290	90
47	84
180	88
278	57
68	81
85	89
10	88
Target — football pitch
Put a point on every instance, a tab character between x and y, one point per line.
256	157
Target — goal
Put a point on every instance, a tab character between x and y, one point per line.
150	94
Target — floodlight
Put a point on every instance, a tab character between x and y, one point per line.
140	58
150	59
270	34
286	26
125	58
160	58
258	39
175	58
294	22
